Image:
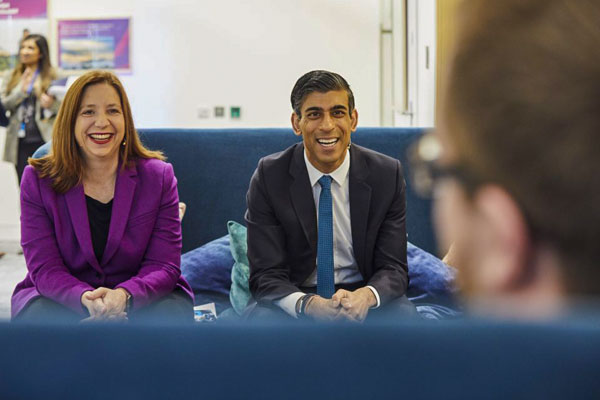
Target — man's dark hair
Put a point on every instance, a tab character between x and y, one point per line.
322	82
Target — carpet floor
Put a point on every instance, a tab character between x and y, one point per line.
12	271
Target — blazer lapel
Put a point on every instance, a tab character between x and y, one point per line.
75	199
124	191
302	197
360	200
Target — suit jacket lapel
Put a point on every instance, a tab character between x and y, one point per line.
75	199
302	197
124	191
360	200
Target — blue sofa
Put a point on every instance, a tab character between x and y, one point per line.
213	168
393	359
408	360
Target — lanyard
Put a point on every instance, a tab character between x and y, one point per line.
29	90
37	71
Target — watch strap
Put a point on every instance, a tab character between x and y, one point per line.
301	305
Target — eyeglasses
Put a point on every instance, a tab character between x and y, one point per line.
426	168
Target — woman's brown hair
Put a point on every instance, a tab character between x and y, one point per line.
47	73
64	164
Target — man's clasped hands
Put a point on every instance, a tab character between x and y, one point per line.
343	305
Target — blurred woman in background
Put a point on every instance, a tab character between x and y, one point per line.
23	94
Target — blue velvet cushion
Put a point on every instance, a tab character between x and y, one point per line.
428	274
208	270
432	286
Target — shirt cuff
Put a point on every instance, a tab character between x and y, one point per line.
288	303
376	296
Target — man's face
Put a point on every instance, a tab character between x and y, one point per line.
325	124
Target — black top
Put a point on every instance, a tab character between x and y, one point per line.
3	119
32	132
99	217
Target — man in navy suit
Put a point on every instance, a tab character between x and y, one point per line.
366	206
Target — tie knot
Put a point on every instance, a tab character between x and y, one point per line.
325	182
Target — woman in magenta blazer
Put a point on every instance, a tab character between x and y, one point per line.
100	228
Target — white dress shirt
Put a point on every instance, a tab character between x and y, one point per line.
344	264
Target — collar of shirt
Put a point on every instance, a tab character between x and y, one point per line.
339	175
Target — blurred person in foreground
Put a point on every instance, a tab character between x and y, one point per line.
514	161
23	94
100	225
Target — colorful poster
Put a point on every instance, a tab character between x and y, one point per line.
17	19
94	44
23	9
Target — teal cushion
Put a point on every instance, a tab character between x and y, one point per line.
239	295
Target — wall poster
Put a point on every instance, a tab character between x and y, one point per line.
19	18
85	44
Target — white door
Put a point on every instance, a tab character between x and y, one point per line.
408	49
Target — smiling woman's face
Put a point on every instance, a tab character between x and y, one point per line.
100	125
29	52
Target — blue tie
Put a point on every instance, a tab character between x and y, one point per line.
325	279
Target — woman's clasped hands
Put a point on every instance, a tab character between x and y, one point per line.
105	304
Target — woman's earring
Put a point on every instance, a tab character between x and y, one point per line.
124	142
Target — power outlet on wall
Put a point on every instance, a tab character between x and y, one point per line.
235	112
204	112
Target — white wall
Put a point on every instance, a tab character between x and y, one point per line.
188	53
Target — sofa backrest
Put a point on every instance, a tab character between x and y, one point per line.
214	166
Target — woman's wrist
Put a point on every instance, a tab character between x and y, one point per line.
127	298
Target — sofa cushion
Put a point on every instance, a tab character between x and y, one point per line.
239	296
208	270
428	274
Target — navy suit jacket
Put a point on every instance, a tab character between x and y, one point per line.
282	223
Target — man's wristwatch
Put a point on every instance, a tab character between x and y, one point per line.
301	305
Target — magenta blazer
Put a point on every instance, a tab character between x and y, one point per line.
143	250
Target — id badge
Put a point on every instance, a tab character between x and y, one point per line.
21	133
